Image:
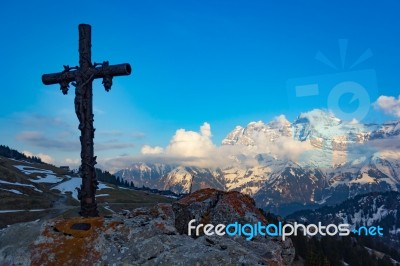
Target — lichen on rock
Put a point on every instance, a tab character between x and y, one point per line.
152	236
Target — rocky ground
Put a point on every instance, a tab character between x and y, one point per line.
147	236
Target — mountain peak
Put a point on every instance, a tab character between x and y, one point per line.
256	124
249	135
280	120
318	116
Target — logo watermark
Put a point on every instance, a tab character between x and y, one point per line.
279	230
346	92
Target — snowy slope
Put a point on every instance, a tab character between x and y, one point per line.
71	184
39	175
372	209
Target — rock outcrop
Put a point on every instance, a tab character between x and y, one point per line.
148	236
210	206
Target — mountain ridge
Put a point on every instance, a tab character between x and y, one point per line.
340	159
371	209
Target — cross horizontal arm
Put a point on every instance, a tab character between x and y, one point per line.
97	72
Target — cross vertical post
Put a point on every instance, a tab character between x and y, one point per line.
84	106
81	77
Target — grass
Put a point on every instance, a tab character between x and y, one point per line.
31	199
117	199
18	217
118	195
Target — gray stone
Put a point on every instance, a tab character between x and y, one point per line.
156	236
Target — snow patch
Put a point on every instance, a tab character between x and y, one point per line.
72	184
102	195
21	185
50	176
32	210
365	179
48	179
13	191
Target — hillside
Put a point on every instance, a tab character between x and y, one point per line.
147	236
370	209
32	190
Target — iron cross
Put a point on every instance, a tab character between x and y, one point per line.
81	77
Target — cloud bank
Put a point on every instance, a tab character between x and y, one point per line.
44	157
388	104
196	148
67	143
185	147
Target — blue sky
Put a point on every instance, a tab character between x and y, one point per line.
222	62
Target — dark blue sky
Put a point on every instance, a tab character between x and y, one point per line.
222	62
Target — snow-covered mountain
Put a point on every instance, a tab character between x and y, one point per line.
189	179
319	127
143	174
317	159
370	209
363	175
386	130
251	135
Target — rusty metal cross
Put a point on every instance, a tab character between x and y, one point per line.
81	77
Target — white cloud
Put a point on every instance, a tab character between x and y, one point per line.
354	122
72	163
146	149
44	157
28	153
289	147
197	149
316	115
388	104
281	120
190	143
389	154
185	147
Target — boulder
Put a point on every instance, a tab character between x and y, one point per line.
149	236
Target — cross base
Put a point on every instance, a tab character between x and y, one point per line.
89	210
